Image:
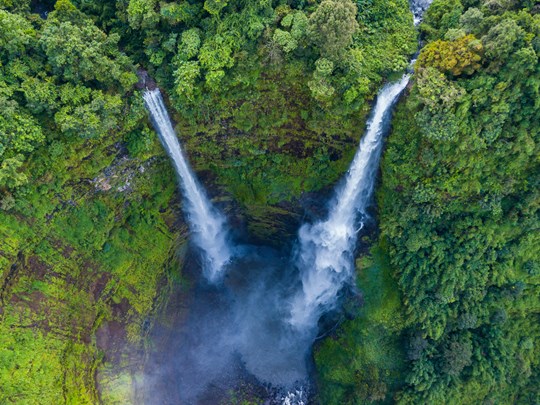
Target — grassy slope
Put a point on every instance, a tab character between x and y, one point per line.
80	259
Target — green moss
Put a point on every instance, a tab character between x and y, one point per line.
73	256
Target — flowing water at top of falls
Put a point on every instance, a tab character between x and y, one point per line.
418	8
207	224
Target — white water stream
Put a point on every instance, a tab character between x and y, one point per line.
326	249
207	224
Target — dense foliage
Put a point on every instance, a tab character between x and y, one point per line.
82	248
270	97
459	206
459	223
289	77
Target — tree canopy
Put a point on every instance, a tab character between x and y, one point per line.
270	98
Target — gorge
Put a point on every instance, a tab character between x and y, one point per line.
296	215
272	303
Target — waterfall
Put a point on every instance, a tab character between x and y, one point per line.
207	224
248	319
325	254
326	248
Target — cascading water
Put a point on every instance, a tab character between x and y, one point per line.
418	8
326	249
208	226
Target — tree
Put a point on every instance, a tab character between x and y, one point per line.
441	16
297	22
216	53
438	119
461	56
215	6
15	34
471	20
19	131
83	52
16	5
142	14
41	95
10	174
456	356
184	12
92	119
502	39
190	44
320	87
285	40
186	75
332	27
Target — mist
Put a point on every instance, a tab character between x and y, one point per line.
235	331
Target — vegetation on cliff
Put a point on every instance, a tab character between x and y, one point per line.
458	212
88	223
86	227
270	98
459	207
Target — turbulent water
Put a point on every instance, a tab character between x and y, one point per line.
326	250
208	226
418	8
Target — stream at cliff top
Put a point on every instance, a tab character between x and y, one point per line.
251	322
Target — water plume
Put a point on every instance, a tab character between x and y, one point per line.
325	254
234	332
326	249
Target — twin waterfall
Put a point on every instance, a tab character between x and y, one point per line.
208	226
324	255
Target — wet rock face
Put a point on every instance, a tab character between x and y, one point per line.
145	81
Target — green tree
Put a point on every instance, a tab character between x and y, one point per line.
502	39
142	13
215	6
11	175
332	27
81	52
16	33
19	131
461	56
457	355
186	75
95	118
